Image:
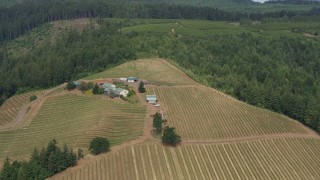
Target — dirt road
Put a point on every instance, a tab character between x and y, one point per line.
29	110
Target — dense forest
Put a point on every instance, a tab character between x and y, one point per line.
23	17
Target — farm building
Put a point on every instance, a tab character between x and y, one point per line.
132	79
108	85
151	99
120	91
108	89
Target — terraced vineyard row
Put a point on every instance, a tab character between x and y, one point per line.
292	158
202	113
9	110
75	120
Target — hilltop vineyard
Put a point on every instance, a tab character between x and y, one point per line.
202	113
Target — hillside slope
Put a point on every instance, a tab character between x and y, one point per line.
74	119
199	112
222	137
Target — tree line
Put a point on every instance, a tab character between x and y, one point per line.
43	164
19	19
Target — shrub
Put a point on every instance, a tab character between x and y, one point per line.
97	90
99	145
33	97
83	86
71	86
90	85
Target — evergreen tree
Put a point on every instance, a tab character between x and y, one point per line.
6	172
141	87
157	123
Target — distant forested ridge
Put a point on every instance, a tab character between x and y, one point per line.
21	18
293	2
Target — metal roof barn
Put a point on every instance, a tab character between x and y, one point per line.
151	98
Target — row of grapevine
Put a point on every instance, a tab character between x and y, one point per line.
74	120
202	113
292	158
9	110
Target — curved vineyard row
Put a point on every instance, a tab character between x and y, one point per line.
202	113
75	120
292	158
9	110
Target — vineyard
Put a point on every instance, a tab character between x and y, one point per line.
202	113
156	71
74	120
9	110
292	158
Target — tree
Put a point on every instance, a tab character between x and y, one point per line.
71	86
157	123
141	87
80	153
170	137
97	90
83	86
99	145
6	172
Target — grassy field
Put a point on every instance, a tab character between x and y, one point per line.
10	109
296	158
156	71
202	113
75	120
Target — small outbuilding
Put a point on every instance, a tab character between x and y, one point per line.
132	79
108	89
108	85
76	83
120	91
123	79
151	99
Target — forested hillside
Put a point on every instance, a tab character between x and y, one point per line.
21	18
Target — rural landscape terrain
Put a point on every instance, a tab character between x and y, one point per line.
222	137
238	83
